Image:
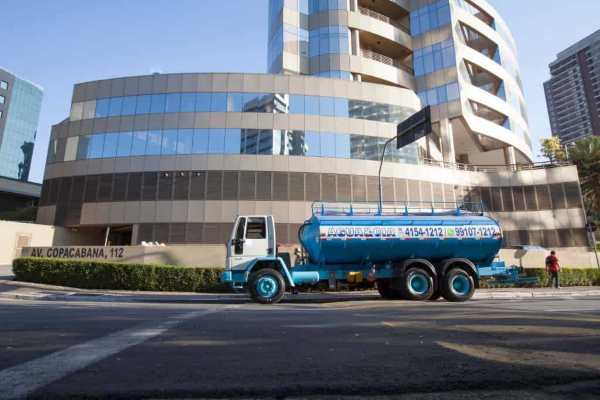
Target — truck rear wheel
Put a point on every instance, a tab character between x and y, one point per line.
417	284
386	292
458	285
267	286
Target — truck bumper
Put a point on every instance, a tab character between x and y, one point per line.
227	277
233	278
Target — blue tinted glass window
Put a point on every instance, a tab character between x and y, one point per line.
111	140
428	63
356	108
328	144
216	141
312	144
138	145
173	102
235	102
432	96
203	102
448	58
311	105
341	108
265	142
129	104
249	141
218	102
82	147
124	146
102	108
116	104
296	104
296	143
444	15
143	104
185	140
95	146
419	66
169	142
200	145
158	103
326	106
303	6
415	26
188	102
110	145
250	101
433	19
342	146
154	143
232	141
441	95
453	93
438	62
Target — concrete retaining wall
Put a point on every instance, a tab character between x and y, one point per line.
214	255
16	235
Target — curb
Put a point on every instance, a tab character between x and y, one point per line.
73	294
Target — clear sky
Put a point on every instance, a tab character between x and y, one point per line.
61	42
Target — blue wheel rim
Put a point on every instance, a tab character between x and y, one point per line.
419	284
461	285
267	286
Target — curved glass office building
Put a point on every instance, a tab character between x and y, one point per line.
175	157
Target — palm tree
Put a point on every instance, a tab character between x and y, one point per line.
586	155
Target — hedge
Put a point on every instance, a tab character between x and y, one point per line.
117	276
568	277
168	278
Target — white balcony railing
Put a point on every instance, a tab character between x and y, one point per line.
374	14
385	59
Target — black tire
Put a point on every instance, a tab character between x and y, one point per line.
267	286
386	292
417	284
458	285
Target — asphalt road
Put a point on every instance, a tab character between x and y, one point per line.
493	349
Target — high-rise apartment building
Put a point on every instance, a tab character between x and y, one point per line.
457	55
20	104
175	157
573	91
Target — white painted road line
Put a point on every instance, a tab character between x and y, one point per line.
21	380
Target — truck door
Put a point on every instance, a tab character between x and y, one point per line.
249	240
235	246
257	241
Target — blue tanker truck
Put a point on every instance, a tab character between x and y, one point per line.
414	251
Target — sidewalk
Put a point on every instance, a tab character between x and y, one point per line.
6	272
33	291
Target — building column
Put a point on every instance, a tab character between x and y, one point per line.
354	5
447	135
135	233
355	38
510	158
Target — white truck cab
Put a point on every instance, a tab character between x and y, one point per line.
252	236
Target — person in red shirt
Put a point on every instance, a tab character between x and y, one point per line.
553	267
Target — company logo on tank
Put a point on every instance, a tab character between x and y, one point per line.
409	232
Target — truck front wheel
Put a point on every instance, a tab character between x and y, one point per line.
418	284
267	286
458	285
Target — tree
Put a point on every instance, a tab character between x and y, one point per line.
553	150
585	153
